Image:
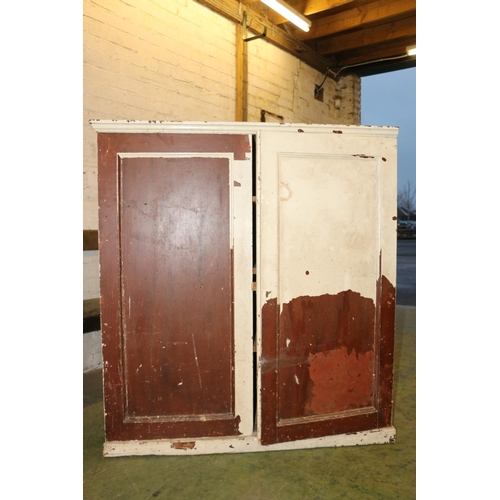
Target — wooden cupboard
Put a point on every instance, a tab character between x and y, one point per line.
247	277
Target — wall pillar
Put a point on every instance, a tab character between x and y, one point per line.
241	76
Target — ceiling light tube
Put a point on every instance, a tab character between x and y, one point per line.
411	50
291	14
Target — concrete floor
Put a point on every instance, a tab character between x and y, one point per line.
364	472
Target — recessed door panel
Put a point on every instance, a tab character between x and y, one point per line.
327	248
176	287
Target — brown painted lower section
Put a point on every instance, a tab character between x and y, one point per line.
332	393
269	373
327	365
124	431
387	312
325	354
343	424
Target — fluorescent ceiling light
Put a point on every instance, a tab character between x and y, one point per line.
411	50
291	14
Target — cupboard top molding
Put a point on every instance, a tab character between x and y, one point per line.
155	127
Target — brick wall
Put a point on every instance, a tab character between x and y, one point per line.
283	85
176	60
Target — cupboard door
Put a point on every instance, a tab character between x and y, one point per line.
176	273
326	275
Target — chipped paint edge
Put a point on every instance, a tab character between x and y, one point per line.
249	444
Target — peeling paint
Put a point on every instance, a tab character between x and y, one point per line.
340	381
333	359
184	445
328	333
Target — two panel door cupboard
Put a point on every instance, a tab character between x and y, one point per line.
247	285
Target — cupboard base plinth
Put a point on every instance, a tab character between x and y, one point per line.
247	444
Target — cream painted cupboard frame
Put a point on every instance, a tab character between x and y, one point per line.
303	250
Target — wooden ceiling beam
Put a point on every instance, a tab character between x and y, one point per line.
373	13
353	37
311	7
233	10
370	36
396	49
305	7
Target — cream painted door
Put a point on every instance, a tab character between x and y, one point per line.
326	274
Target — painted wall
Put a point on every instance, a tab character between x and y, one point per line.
282	84
176	60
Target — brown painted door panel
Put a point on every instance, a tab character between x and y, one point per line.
327	310
176	286
167	286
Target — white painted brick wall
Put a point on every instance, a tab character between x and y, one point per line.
92	352
90	274
176	60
